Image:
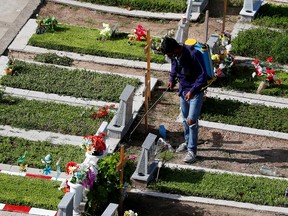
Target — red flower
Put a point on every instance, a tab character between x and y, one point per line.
279	82
98	142
256	61
270	71
270	59
70	164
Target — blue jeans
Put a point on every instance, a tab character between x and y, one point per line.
191	110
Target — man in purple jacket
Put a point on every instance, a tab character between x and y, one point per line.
187	67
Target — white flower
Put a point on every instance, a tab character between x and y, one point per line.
253	74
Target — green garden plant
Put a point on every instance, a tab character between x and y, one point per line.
106	189
83	40
62	81
34	192
248	189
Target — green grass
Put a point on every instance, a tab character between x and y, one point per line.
273	16
243	114
12	148
76	83
262	43
241	79
48	116
261	191
38	193
85	40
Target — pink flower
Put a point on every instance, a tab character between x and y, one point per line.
256	61
279	82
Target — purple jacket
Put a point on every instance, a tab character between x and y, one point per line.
190	71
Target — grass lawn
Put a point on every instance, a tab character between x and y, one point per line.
86	40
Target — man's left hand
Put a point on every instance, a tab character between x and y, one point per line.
188	96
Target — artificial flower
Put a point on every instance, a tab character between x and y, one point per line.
94	144
81	174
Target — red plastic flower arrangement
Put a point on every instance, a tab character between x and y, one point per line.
140	33
102	111
94	144
267	72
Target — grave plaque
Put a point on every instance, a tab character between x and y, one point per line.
147	165
124	115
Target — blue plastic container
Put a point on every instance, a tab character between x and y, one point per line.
205	50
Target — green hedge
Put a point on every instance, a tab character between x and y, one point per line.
261	191
34	192
12	148
271	15
243	114
178	6
85	40
48	116
262	43
76	83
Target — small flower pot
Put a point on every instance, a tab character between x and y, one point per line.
8	72
261	86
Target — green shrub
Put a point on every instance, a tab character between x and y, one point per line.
261	43
106	189
34	192
12	148
85	41
147	5
62	81
53	58
259	190
48	116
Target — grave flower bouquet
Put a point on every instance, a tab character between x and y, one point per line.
81	174
94	144
266	72
106	32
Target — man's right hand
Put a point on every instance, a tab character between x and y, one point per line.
171	85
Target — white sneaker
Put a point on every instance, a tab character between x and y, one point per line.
190	157
182	147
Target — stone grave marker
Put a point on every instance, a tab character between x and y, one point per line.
147	165
250	9
65	207
123	119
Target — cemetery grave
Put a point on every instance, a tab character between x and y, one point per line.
169	125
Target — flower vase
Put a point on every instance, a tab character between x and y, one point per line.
92	159
77	190
261	86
